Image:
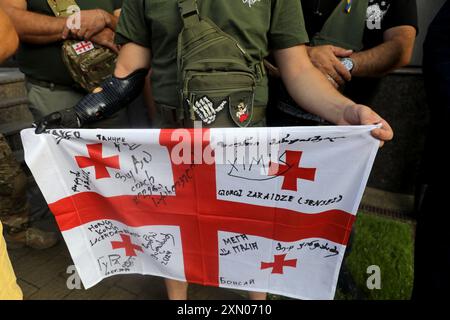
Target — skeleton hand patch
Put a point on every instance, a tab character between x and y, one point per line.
206	111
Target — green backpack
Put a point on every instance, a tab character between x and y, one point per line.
214	72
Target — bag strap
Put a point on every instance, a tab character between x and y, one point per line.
59	7
191	16
345	26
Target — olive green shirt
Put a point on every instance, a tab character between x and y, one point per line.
258	25
44	61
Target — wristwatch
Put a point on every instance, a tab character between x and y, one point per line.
348	63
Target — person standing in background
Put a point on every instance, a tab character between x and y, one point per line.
50	85
432	253
9	290
353	43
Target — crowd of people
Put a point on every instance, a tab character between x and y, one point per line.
313	62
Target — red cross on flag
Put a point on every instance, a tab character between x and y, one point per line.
82	47
96	160
261	209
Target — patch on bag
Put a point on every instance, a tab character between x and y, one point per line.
206	109
83	47
241	109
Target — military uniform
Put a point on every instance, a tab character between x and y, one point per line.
49	84
258	25
13	202
14	208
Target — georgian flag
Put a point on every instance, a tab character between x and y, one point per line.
82	47
261	209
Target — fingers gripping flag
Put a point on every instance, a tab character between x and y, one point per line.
261	209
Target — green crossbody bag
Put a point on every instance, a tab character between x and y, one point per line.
215	74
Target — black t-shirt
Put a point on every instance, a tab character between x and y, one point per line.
393	13
388	14
44	61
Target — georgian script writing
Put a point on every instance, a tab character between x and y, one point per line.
81	181
286	140
60	134
157	242
181	182
311	245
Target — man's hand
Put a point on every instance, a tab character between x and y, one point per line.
326	59
60	119
91	23
310	90
362	115
131	59
106	38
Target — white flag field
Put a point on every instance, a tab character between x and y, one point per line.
260	209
